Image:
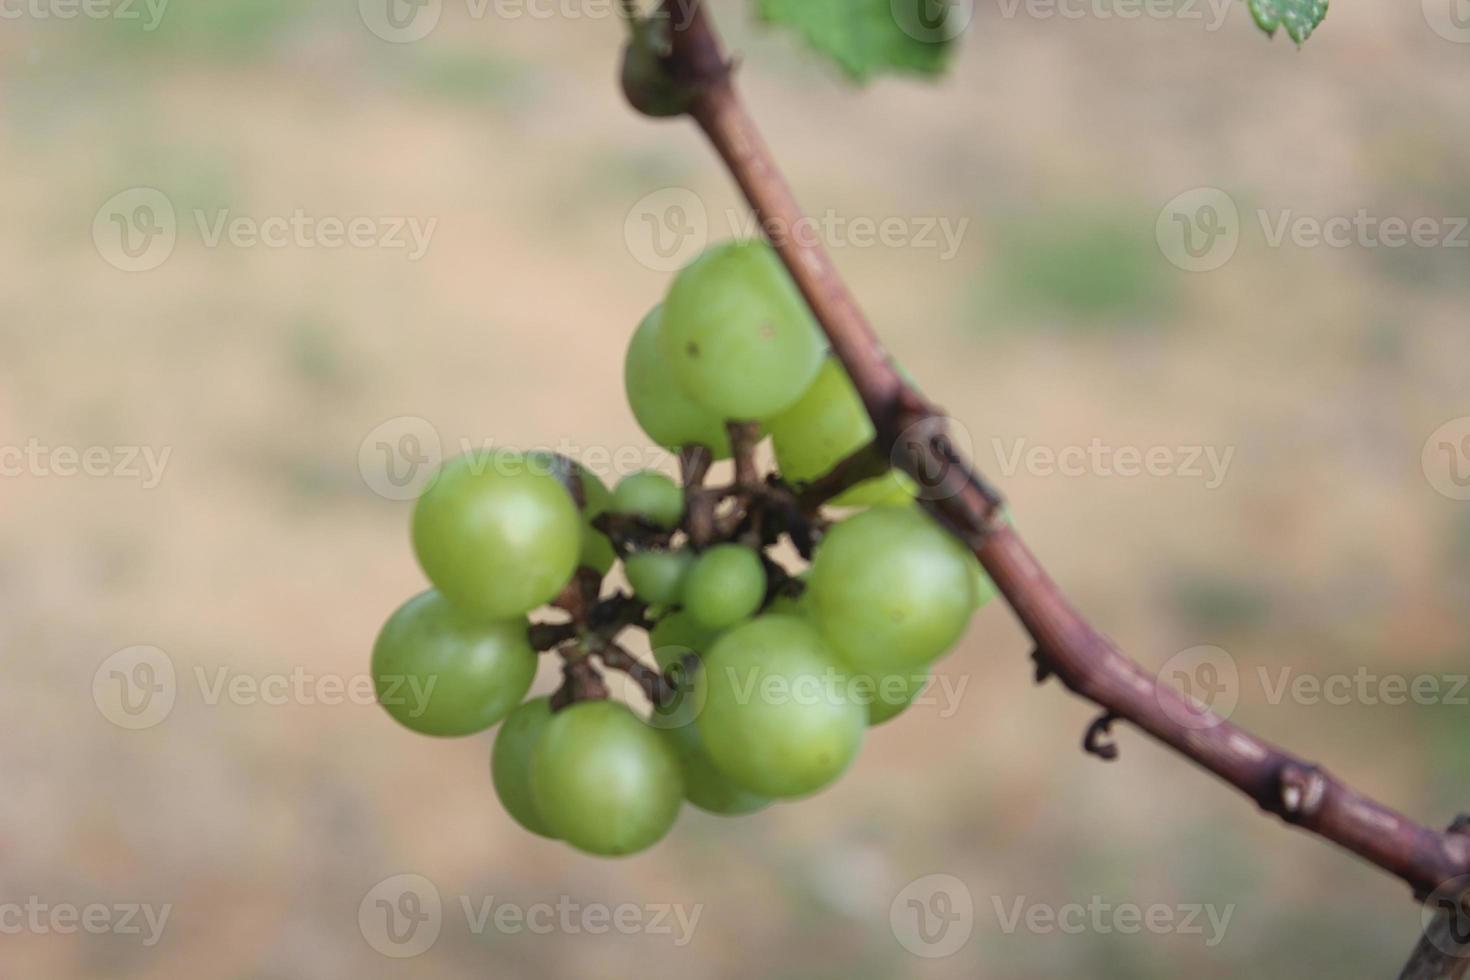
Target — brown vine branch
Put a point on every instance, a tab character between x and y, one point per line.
911	433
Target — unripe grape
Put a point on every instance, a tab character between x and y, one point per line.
726	584
497	534
441	672
510	763
777	713
825	426
651	496
737	333
891	590
678	634
597	551
658	577
604	781
704	785
669	416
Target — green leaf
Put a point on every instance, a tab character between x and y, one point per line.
1300	17
872	37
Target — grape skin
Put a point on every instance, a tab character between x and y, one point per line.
727	584
597	551
777	712
651	496
891	590
658	577
737	333
510	763
440	672
825	426
604	781
668	416
497	534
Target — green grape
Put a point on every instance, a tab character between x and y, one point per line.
440	672
825	426
777	715
726	584
738	334
678	634
605	782
497	534
658	577
704	785
891	590
597	551
510	763
651	496
669	417
889	695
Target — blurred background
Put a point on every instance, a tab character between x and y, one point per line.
266	261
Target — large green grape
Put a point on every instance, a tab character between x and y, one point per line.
669	416
825	426
658	577
651	496
597	551
777	713
497	534
738	334
441	672
890	590
604	781
510	763
704	785
678	634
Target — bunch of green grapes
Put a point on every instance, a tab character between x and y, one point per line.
767	678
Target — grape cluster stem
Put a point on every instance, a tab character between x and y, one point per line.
911	435
751	510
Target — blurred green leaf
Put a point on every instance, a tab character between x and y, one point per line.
872	37
1299	17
